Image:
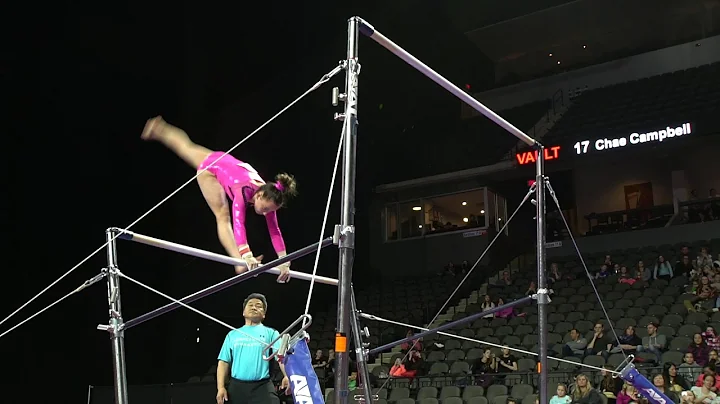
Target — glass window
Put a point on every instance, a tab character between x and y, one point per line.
411	218
391	227
454	212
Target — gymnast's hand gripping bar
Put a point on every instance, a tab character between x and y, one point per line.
369	30
224	259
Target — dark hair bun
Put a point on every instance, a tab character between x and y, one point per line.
289	184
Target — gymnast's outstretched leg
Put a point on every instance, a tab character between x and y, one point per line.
179	142
176	140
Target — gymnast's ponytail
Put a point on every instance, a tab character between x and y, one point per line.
282	190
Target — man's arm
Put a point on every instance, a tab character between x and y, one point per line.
222	373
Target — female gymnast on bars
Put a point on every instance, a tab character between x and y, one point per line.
242	184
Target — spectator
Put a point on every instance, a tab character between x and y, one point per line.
628	343
684	267
415	344
713	362
584	393
609	262
711	338
661	384
609	386
554	275
507	362
654	343
599	342
319	361
576	346
628	394
505	280
663	269
699	350
689	369
399	370
675	382
704	393
508	312
561	397
709	371
532	289
641	273
704	259
487	304
625	277
603	273
485	368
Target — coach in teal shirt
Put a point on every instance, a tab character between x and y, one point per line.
241	357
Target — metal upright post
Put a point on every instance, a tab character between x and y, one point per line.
542	291
360	351
117	336
346	229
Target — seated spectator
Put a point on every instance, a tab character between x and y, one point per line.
609	262
487	304
600	341
603	273
399	370
609	386
642	274
689	369
654	343
663	269
711	338
713	362
625	277
561	397
584	393
507	362
485	368
507	313
704	259
576	346
699	350
675	383
707	373
658	380
687	397
628	343
505	280
319	361
532	289
627	395
554	275
684	267
704	392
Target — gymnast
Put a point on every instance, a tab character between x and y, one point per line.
241	183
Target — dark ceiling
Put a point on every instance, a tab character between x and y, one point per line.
520	35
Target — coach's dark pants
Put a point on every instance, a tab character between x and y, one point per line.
259	392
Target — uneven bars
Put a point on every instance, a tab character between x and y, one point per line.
526	299
370	31
196	252
237	279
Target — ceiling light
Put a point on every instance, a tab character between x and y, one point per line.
465	219
482	211
550	54
416	208
464	203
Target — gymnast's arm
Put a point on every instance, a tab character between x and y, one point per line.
275	234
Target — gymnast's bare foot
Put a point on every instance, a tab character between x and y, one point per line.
153	128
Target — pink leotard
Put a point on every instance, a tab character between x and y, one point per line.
240	181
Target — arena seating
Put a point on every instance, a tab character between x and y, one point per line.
574	305
691	94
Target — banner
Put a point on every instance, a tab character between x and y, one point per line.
304	382
644	386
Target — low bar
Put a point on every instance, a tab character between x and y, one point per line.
237	279
369	30
224	259
526	299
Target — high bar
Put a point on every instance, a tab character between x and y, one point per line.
370	31
237	279
196	252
